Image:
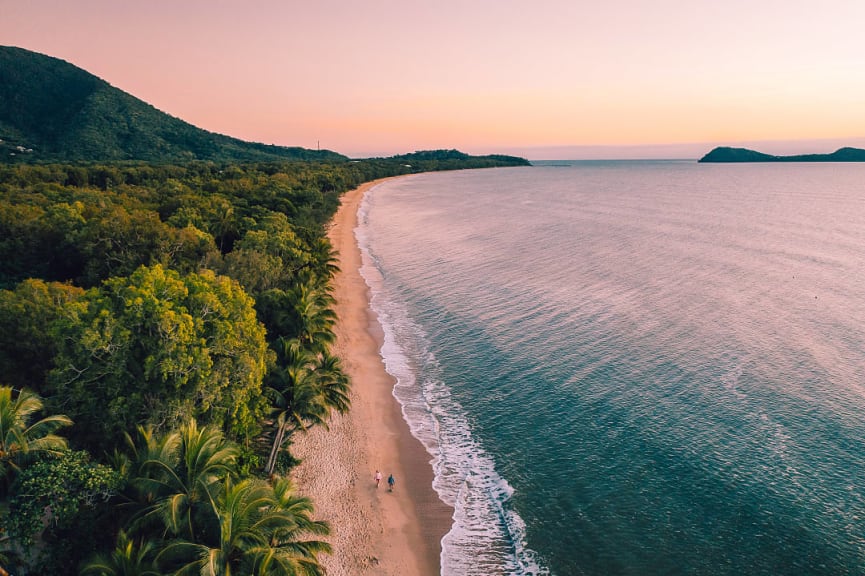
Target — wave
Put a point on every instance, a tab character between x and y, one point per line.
487	536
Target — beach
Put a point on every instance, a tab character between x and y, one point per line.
373	530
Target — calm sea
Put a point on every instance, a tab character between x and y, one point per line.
635	368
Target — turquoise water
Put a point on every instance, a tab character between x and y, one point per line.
632	368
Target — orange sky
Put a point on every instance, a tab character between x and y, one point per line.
382	77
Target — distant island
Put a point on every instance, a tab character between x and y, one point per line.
725	154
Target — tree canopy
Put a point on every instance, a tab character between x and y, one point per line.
158	348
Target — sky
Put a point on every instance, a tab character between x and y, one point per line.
542	79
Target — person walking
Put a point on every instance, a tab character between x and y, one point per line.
390	483
377	479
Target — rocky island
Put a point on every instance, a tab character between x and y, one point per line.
723	154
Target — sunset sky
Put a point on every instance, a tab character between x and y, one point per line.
381	77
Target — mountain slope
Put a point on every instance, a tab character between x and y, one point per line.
63	113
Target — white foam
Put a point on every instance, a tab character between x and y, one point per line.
487	536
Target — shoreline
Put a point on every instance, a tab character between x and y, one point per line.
373	531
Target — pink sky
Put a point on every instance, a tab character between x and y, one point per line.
381	77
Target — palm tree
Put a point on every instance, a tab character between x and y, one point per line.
257	530
324	256
294	393
178	473
143	490
305	388
333	383
128	559
300	511
303	312
224	226
312	303
21	441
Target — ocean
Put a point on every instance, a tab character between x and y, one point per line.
632	368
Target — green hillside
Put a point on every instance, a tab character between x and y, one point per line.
52	111
725	154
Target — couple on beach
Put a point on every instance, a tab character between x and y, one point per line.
390	481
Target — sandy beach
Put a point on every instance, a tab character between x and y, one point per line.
373	531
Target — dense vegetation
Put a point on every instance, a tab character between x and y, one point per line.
164	331
51	110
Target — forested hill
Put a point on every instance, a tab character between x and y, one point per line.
428	160
53	111
727	155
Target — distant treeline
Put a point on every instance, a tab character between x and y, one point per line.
164	330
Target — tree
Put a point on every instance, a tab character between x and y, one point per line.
20	440
287	534
177	475
115	241
22	443
27	314
257	530
304	311
159	348
224	225
313	307
235	340
333	383
305	388
324	257
129	558
194	517
189	249
269	255
50	496
36	240
294	394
